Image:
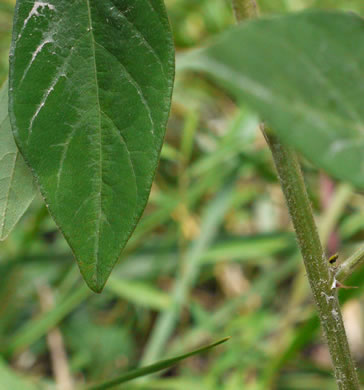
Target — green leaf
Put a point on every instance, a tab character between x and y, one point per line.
17	188
90	92
162	365
304	74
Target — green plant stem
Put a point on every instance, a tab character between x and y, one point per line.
316	264
245	9
350	265
326	226
300	289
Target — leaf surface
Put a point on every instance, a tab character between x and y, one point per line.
304	74
17	188
91	85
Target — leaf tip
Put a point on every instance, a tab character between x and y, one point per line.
94	280
224	340
96	286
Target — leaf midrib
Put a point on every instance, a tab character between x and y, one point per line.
242	83
301	56
93	45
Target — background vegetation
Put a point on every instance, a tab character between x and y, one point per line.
214	255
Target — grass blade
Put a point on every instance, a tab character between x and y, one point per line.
162	365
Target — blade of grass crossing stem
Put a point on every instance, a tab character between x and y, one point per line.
350	265
37	328
212	219
162	365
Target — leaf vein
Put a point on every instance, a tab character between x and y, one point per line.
123	141
98	223
136	85
143	39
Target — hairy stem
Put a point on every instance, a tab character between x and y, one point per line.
318	272
316	264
